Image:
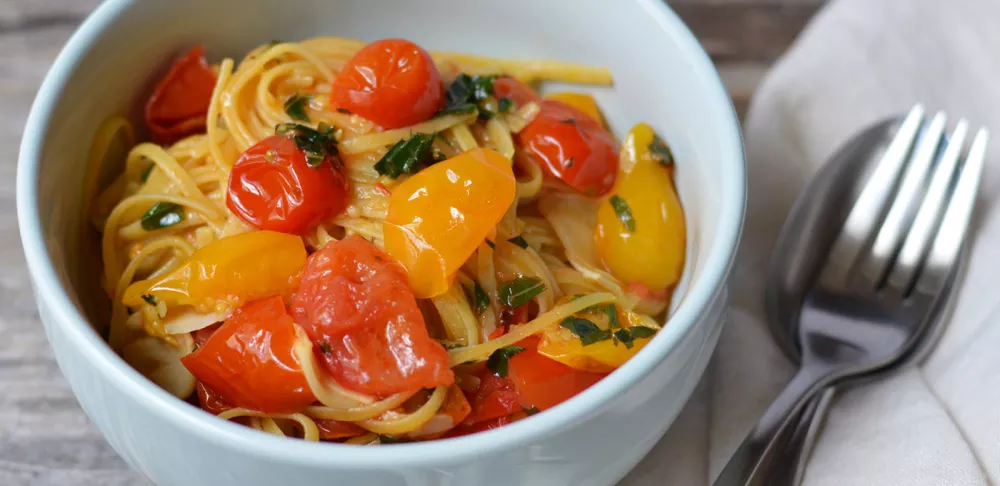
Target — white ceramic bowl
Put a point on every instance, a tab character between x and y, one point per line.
662	77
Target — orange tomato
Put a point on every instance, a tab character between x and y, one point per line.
581	101
249	361
354	303
231	270
180	100
438	217
392	82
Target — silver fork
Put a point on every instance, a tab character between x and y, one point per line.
887	269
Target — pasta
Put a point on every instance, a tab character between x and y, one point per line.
205	239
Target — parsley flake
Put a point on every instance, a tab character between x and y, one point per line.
479	298
520	291
499	360
161	215
317	144
150	299
406	156
623	212
295	107
587	331
661	152
519	241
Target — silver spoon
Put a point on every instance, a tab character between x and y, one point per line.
888	267
798	256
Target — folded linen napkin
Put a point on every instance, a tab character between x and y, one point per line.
858	62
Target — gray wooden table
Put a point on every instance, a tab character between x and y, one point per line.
45	439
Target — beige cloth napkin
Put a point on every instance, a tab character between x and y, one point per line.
858	62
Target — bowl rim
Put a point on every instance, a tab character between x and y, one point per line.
65	315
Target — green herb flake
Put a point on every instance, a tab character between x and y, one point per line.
624	212
465	92
145	174
520	291
505	105
519	241
406	156
531	411
625	337
386	439
462	109
316	144
661	152
151	300
325	347
491	244
161	215
498	361
642	332
612	311
479	298
195	348
344	111
568	121
295	107
587	331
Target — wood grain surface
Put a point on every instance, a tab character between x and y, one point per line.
45	439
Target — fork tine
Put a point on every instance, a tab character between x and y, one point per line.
904	205
918	241
867	210
947	247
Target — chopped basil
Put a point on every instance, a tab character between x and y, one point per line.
145	174
161	215
195	348
466	92
568	121
463	109
479	298
642	332
385	439
531	411
624	336
587	331
295	107
623	212
486	114
492	245
519	241
406	156
505	105
151	300
570	162
498	361
611	310
325	347
344	111
317	144
661	152
520	291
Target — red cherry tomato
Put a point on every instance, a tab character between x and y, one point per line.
496	397
210	400
392	82
249	361
542	382
272	187
466	428
180	100
337	430
355	303
573	147
509	87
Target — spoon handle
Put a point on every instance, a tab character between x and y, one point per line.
798	447
755	460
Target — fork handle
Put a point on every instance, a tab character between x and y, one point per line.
754	461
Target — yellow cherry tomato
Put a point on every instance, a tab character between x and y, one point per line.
228	271
640	234
581	101
438	217
592	340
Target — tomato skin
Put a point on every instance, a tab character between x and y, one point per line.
542	382
337	430
354	301
210	400
466	428
509	87
272	187
392	82
496	397
572	147
249	360
180	100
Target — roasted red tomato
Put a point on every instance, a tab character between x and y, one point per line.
509	87
356	305
273	187
542	382
573	147
466	428
337	430
180	101
392	82
249	361
496	397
